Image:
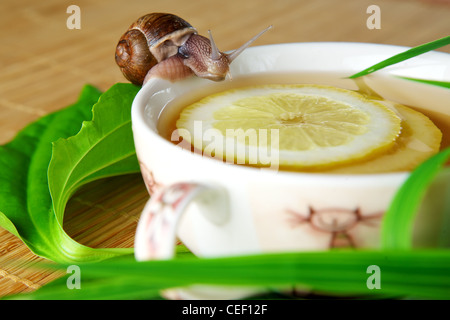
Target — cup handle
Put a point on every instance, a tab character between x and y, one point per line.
157	227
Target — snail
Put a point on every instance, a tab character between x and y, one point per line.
164	45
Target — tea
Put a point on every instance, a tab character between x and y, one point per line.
417	141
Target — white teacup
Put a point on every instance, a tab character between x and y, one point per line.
219	209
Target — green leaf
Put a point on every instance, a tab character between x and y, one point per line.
37	178
399	219
413	52
23	170
103	148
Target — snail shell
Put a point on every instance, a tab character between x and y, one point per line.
166	46
151	39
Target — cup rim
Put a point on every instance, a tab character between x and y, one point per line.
140	124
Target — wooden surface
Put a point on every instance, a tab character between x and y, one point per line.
43	66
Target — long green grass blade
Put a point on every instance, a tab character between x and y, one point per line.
398	221
404	56
421	274
443	84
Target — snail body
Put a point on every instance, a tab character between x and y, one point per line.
166	46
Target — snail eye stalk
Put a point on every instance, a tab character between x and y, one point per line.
234	54
215	53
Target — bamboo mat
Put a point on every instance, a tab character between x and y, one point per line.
44	65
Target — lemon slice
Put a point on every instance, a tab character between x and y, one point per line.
419	140
292	125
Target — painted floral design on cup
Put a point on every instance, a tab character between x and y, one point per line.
150	183
337	222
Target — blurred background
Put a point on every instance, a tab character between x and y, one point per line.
44	65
